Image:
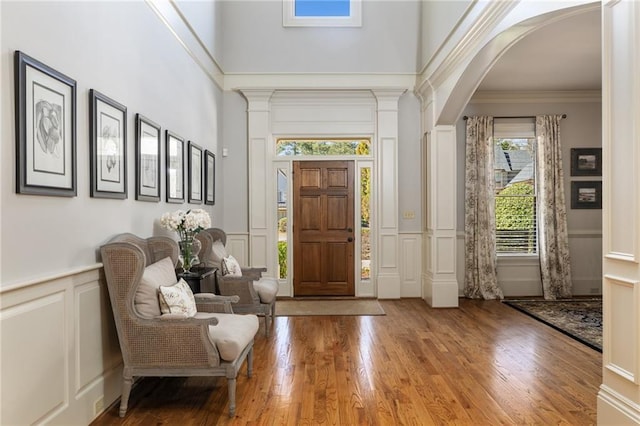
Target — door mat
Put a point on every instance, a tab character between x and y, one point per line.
580	319
363	307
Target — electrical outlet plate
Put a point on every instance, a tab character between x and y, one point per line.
98	406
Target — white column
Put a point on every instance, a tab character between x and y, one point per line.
261	244
440	286
388	270
619	395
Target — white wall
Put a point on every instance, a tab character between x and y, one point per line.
256	41
124	51
236	185
439	18
409	179
54	310
581	129
205	17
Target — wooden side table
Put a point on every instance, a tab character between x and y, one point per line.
200	279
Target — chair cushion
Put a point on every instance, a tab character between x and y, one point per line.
177	299
233	333
231	267
267	288
218	252
155	275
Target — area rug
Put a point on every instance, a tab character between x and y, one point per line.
580	319
364	307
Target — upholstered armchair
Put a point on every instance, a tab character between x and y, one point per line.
257	293
179	334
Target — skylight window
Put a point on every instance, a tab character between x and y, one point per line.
322	13
324	8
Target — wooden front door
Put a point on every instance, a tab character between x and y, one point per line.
323	237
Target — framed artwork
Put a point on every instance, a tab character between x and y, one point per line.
195	173
45	129
107	146
586	161
147	159
175	167
586	194
209	178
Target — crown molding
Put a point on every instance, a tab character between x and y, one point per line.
319	81
522	97
462	40
179	26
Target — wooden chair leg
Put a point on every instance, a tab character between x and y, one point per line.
231	383
250	363
126	391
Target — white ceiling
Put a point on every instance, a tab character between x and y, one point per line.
564	55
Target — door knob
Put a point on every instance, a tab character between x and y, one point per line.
349	239
349	229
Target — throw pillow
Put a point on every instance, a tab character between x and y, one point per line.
177	299
161	273
231	267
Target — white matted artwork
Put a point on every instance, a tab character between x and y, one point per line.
46	129
195	173
175	167
108	146
147	159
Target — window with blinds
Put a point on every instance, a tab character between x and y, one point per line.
515	178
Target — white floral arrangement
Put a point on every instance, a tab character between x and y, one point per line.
186	223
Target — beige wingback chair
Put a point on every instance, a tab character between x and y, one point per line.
213	342
257	294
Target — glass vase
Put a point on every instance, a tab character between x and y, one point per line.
189	250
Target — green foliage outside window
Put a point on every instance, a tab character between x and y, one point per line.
516	219
282	258
322	147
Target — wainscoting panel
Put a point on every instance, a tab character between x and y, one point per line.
99	352
238	247
35	379
61	361
410	265
621	328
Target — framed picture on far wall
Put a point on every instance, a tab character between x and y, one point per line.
209	178
45	129
195	173
586	161
586	194
175	167
147	159
107	147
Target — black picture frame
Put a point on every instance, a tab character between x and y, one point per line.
45	120
209	178
586	194
107	147
194	157
148	165
586	161
174	152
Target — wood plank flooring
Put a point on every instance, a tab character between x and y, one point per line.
482	364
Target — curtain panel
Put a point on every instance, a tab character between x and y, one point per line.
481	280
555	267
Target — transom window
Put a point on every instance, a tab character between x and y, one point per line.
294	147
322	13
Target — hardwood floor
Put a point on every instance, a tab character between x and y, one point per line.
482	364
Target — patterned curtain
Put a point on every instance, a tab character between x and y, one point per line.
481	280
555	268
